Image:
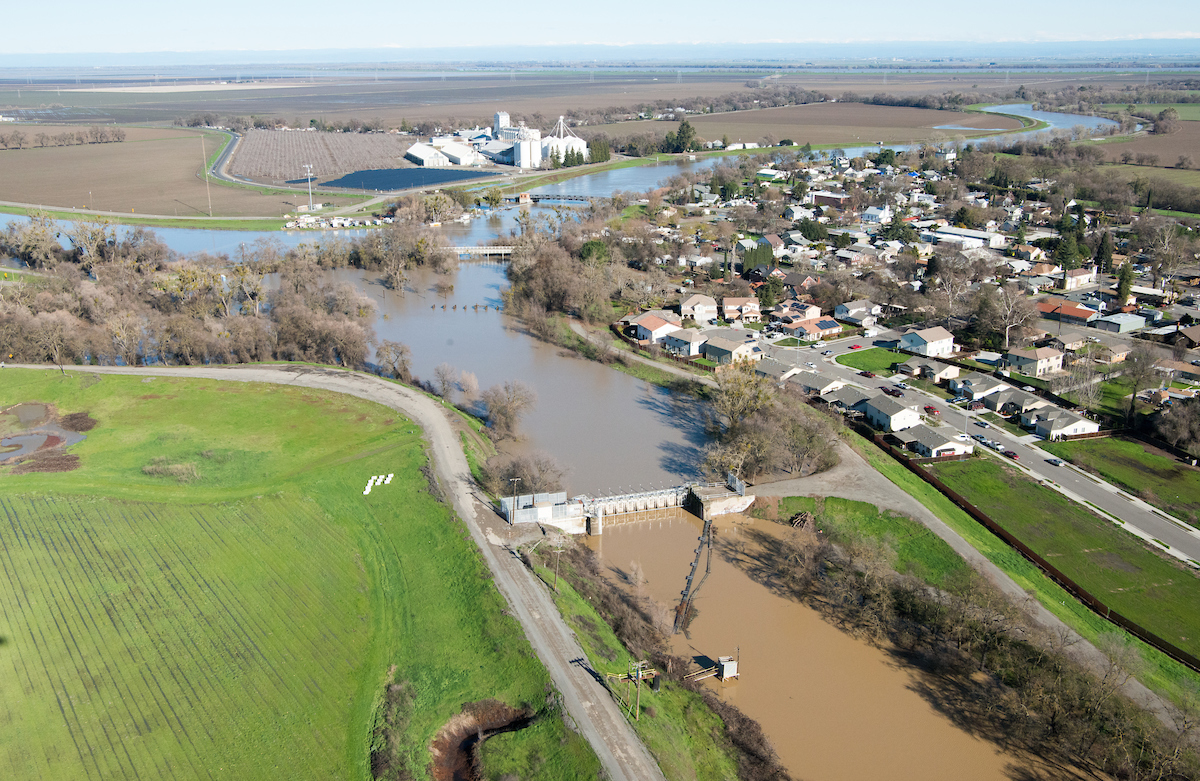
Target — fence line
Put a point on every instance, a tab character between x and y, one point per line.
1083	595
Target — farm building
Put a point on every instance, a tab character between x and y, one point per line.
561	140
458	154
427	156
1119	323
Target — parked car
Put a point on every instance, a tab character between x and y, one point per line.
958	399
1029	389
932	410
983	424
1054	461
891	391
980	438
810	364
866	374
827	352
856	347
902	386
1011	454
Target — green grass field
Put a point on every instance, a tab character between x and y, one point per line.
1161	673
872	359
1160	480
919	551
242	626
1113	565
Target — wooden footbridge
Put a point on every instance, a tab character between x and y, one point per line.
482	251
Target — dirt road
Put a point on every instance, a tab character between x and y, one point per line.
589	704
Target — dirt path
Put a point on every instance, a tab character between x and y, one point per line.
589	704
853	478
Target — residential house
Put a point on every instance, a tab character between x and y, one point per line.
1189	337
1029	252
933	443
935	371
653	329
775	370
791	311
699	307
976	386
1066	311
930	342
723	351
1055	422
1078	277
795	213
885	413
778	248
633	318
862	313
1013	402
1035	361
812	330
847	399
1068	341
812	382
876	215
745	310
684	341
1108	351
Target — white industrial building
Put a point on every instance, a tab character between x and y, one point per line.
459	154
427	156
561	140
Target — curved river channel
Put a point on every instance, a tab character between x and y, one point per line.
835	707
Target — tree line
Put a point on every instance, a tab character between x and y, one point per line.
96	134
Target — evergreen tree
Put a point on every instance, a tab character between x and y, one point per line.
1124	283
1066	254
1104	253
1021	232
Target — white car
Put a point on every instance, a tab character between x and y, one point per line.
810	364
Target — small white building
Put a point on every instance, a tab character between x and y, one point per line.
687	342
458	154
426	156
654	329
862	313
934	342
1035	362
876	215
1055	422
931	443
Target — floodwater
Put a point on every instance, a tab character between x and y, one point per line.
36	432
612	431
835	708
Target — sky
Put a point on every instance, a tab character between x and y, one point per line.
73	26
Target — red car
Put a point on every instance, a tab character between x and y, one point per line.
1012	455
891	391
856	347
866	374
931	410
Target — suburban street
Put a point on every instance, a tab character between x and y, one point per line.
1138	517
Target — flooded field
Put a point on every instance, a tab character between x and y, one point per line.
835	707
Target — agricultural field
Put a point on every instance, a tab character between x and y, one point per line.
1140	469
827	123
1189	111
395	94
154	171
1115	566
1185	141
280	154
210	594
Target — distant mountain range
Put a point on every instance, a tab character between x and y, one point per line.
1182	51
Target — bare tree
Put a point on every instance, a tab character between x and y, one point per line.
506	404
395	359
55	334
468	383
443	378
1013	308
1140	369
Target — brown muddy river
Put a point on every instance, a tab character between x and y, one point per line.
836	708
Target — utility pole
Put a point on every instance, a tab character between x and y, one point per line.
204	163
514	481
308	178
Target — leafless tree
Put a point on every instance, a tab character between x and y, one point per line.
506	404
395	359
468	383
1140	368
443	378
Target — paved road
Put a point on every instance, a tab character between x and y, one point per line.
853	478
589	704
1139	518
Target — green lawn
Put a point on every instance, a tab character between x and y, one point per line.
1115	566
1160	480
228	627
1003	423
789	341
872	359
1161	673
918	550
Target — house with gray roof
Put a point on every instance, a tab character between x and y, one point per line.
1054	422
846	398
975	385
929	442
812	382
775	370
1013	402
885	413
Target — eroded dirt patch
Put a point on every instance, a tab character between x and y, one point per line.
47	461
455	749
78	421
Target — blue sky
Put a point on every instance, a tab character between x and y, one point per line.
148	26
